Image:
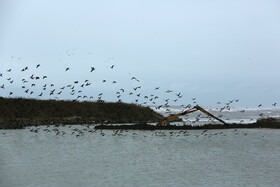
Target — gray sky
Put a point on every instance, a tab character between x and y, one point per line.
213	50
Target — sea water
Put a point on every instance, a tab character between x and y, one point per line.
78	155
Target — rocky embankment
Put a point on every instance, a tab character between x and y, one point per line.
17	113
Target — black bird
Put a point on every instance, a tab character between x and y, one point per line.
259	105
38	65
156	88
0	74
67	69
274	104
9	70
11	93
112	66
44	77
135	79
137	88
92	69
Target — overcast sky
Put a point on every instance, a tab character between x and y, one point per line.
215	50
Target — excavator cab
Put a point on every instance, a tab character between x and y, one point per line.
195	108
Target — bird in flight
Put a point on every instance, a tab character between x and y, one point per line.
67	69
92	69
134	78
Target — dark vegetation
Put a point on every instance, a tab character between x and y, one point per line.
20	112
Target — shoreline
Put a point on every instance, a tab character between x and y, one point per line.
145	126
122	125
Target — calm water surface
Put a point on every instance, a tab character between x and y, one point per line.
68	157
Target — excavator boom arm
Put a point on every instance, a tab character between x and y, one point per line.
163	122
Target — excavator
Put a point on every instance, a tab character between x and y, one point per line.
195	108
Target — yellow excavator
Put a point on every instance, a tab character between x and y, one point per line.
195	108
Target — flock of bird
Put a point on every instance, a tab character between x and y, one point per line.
84	130
32	83
36	85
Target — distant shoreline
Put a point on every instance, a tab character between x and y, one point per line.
19	113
